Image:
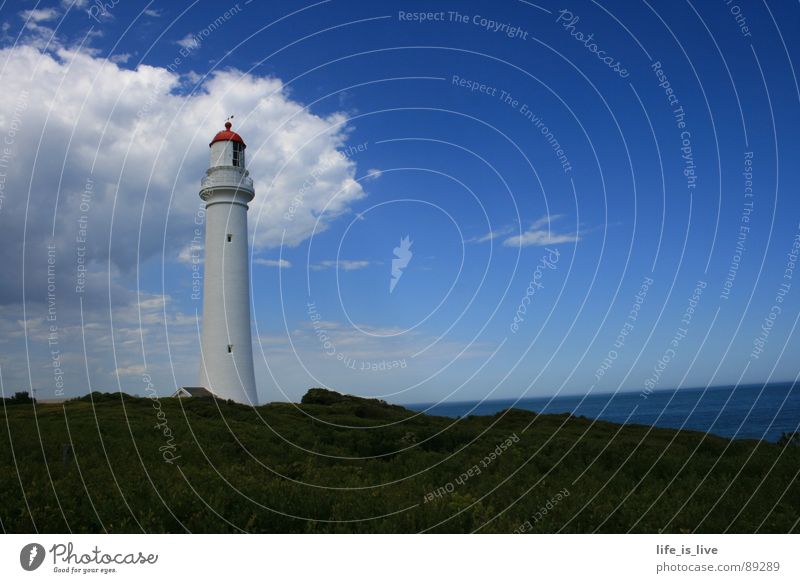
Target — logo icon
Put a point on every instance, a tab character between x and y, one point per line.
403	255
31	556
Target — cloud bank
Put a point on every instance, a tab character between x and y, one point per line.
101	167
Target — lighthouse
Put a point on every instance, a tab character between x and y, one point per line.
226	359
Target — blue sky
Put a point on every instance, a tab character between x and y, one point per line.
525	169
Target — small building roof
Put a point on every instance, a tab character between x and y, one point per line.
193	392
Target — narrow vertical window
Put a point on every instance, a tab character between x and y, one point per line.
230	348
230	237
238	154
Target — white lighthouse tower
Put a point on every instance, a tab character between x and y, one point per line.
226	360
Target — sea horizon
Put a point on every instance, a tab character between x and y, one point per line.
762	411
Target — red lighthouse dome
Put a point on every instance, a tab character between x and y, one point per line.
227	135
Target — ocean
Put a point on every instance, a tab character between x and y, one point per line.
745	412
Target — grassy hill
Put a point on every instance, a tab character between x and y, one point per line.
335	463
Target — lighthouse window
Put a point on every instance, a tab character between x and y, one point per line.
238	154
230	237
230	348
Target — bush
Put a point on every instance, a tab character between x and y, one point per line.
19	398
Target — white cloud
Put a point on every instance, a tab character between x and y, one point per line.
191	253
282	263
493	234
74	3
133	370
39	14
36	33
374	173
545	220
120	58
154	302
344	264
541	233
134	136
188	42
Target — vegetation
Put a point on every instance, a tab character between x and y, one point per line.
336	463
791	438
19	397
